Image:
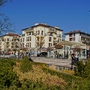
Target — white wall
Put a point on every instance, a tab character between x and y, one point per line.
67	38
77	37
33	42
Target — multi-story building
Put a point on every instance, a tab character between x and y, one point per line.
40	35
78	36
9	42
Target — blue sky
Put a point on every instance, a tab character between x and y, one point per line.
67	14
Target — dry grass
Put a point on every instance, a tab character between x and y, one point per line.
37	74
68	71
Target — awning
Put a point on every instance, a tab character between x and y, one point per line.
70	43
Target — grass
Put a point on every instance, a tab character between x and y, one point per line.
37	74
40	72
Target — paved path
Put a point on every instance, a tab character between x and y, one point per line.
57	62
49	61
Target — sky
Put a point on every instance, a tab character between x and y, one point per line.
68	15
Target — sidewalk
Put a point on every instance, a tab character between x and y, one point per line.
51	61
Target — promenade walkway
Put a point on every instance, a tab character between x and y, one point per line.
50	61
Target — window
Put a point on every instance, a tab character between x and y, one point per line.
50	44
50	34
7	43
59	35
27	45
22	44
30	44
50	39
59	40
70	39
30	33
23	34
23	39
12	46
12	43
74	39
27	39
42	33
2	39
7	39
30	39
38	32
70	35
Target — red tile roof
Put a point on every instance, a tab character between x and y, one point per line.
44	25
11	34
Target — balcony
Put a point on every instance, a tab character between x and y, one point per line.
23	34
29	31
52	31
71	36
59	35
83	40
50	34
55	41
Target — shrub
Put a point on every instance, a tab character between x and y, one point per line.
87	70
79	69
26	65
7	76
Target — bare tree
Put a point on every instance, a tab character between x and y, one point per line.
5	24
2	2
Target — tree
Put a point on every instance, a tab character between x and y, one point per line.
5	24
2	2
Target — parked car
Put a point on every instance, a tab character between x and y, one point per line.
42	54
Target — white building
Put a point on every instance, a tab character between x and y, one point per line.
78	36
40	36
9	42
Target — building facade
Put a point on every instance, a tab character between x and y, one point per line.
78	36
9	42
40	36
